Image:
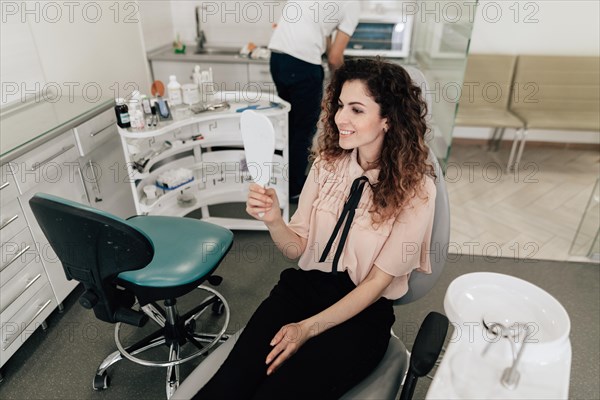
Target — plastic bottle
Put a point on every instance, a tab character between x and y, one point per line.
174	88
197	76
136	114
208	87
122	112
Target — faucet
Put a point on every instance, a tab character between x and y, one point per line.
200	36
510	375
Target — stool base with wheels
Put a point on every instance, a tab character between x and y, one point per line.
175	331
128	266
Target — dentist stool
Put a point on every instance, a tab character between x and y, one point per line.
141	260
398	363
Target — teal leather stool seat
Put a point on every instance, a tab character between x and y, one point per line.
182	256
128	266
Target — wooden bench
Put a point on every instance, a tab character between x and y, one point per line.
556	93
529	92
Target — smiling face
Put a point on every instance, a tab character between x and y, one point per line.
359	122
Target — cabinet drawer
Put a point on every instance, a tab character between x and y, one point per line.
61	286
47	163
28	317
25	284
259	73
16	253
260	80
227	76
12	221
96	131
280	125
8	186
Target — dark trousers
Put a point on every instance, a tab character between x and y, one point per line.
326	366
301	84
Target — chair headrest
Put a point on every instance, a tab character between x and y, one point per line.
420	284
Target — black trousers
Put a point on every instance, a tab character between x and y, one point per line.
301	84
326	366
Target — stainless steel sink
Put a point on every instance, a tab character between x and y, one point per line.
218	51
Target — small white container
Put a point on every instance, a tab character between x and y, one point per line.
150	191
191	95
174	89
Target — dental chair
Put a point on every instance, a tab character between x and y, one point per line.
128	266
397	365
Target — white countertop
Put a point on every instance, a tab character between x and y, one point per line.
29	125
166	53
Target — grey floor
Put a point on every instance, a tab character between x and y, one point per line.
60	362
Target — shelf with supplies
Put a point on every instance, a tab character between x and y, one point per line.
196	159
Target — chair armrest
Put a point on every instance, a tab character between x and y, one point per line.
426	350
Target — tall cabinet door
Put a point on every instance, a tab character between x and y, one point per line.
106	179
53	169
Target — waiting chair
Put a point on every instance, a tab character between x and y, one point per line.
481	107
386	380
143	260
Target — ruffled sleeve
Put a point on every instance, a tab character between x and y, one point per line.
407	247
300	221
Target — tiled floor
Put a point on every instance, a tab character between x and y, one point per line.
533	213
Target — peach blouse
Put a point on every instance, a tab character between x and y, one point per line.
399	245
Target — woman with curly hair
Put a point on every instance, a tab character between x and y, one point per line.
363	224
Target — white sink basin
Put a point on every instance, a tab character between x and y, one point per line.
507	300
490	297
476	359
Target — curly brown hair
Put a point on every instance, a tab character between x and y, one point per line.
403	162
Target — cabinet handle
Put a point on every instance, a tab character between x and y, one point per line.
37	165
15	297
5	224
102	130
7	341
96	183
87	195
31	282
15	257
5	184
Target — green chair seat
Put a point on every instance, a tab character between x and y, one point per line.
206	244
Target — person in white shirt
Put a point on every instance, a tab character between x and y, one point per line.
303	34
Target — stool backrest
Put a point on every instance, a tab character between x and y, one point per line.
93	247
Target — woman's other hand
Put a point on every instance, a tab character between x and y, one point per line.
263	204
286	343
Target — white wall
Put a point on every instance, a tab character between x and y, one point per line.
85	48
234	23
20	64
225	23
550	27
157	23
